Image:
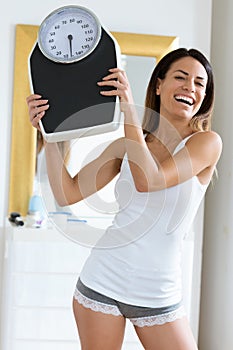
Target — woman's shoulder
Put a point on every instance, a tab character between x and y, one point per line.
208	142
206	137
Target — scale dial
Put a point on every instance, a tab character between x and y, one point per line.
69	34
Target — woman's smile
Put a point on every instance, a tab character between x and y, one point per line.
183	88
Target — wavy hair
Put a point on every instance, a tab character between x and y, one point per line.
201	121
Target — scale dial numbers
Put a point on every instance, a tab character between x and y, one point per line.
69	34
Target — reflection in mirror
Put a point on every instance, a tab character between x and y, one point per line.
23	138
139	70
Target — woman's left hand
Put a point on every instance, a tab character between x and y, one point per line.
118	79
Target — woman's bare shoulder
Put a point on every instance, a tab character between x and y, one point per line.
208	142
206	137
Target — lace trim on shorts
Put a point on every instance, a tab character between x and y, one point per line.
159	319
96	305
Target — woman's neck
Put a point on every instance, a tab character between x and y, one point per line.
171	134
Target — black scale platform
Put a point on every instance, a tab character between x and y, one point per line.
71	88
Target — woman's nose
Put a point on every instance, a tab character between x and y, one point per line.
189	85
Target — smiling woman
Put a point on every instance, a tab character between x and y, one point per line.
23	139
185	85
201	120
189	81
166	168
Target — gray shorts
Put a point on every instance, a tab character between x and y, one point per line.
138	315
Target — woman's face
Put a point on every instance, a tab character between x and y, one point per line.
182	91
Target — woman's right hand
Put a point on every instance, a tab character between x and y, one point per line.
36	108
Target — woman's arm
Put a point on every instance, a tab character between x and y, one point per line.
200	153
140	159
91	178
198	157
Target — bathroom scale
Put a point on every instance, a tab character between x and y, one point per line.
72	53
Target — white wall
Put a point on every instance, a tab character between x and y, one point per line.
217	282
190	20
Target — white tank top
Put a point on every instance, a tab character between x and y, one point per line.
138	259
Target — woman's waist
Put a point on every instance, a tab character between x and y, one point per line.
132	283
137	260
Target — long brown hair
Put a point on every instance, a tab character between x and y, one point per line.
201	120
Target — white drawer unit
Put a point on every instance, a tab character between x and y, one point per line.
41	268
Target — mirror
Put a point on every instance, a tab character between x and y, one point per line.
24	137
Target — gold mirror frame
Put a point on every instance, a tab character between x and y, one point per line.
23	137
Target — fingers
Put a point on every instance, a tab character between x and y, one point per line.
117	79
33	97
36	119
113	83
110	93
118	74
37	108
34	101
117	70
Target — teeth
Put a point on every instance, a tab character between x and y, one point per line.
184	99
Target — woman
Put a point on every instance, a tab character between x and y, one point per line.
165	167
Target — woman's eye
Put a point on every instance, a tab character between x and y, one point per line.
179	78
199	84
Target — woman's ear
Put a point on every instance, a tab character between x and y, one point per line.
158	83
